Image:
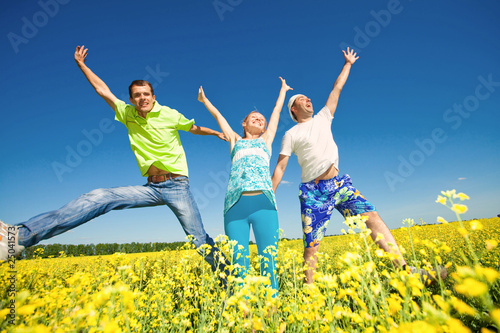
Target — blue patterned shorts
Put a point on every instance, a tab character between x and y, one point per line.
319	198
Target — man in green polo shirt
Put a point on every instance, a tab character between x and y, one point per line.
154	139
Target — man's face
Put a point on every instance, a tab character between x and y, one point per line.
302	107
142	98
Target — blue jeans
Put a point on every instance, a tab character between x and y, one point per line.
175	193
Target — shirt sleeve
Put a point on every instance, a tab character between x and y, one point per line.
325	113
286	145
184	124
121	112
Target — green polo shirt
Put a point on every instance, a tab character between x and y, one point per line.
155	140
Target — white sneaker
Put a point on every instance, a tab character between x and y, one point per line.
9	245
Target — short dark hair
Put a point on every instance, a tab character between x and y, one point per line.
294	116
140	83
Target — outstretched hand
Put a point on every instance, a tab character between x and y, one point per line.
350	56
284	85
222	137
201	95
80	54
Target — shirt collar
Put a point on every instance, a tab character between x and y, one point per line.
156	107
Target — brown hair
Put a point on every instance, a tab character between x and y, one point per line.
140	83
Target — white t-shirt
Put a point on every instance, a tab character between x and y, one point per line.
313	144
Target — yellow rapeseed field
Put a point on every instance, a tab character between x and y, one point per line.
356	287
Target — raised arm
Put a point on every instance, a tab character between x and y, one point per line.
350	58
228	132
268	136
279	170
100	87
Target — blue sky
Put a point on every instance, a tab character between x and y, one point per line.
419	113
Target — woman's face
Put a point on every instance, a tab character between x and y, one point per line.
255	122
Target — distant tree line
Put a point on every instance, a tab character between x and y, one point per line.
57	250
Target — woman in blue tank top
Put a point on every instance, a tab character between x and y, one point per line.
250	199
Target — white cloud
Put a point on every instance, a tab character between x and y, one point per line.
462	178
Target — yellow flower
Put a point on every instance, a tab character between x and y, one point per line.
463	196
356	221
376	288
112	327
450	193
410	222
441	220
41	329
394	304
495	314
142	292
369	266
459	209
257	324
485	330
491	244
417	326
328	316
26	310
400	286
441	303
3	313
244	307
441	200
462	307
476	225
471	287
329	280
463	231
457	326
489	273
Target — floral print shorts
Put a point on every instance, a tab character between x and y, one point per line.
319	198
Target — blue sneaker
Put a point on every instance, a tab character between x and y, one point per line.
9	246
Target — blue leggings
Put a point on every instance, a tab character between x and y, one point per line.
259	212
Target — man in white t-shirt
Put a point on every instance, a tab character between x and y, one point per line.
322	189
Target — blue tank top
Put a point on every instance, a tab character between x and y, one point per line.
249	171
